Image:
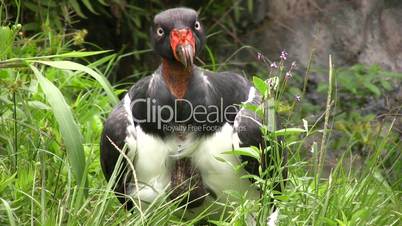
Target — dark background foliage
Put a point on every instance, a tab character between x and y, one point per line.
123	26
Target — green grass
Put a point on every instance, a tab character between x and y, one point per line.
38	186
344	166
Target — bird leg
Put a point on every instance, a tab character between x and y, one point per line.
186	179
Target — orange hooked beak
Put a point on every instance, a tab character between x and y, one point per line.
183	45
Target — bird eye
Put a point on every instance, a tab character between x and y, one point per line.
197	25
160	31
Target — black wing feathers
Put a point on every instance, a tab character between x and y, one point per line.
115	130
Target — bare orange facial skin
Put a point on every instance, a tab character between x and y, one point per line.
181	37
177	74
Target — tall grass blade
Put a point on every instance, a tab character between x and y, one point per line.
10	215
19	62
326	119
68	65
68	127
79	54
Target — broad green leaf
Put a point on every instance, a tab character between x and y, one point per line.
260	85
77	8
289	131
38	105
246	151
107	59
386	85
89	6
250	107
68	127
221	159
374	89
103	2
68	65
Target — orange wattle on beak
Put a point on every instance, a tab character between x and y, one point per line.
182	43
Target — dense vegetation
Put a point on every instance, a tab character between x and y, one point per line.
344	162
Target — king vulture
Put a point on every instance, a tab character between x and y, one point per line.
178	124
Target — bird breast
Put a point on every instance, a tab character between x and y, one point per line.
161	164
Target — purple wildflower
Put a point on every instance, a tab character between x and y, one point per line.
274	65
284	55
288	75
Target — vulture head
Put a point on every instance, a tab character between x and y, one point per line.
178	35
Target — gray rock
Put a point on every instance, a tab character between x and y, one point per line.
357	31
